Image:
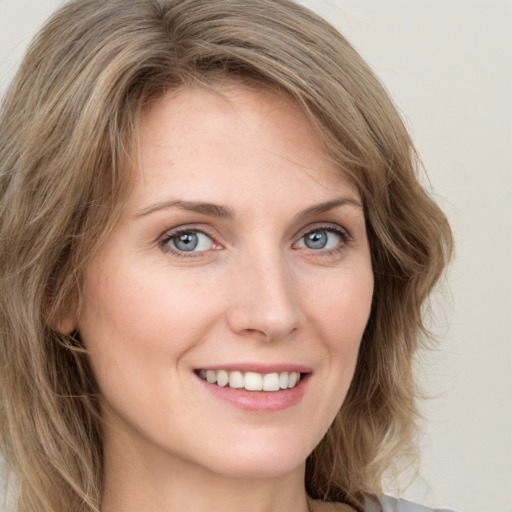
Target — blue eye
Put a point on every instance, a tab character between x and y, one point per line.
316	240
322	239
188	241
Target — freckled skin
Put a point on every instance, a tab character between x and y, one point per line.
255	293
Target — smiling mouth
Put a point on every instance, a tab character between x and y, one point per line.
251	381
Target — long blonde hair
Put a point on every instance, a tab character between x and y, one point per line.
68	121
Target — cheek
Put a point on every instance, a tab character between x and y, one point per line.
342	311
342	308
131	314
135	332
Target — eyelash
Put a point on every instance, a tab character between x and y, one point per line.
344	235
168	236
345	239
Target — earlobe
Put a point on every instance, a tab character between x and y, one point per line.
61	313
64	325
63	320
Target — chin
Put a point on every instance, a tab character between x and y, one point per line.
261	460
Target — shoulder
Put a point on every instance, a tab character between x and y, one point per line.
389	504
324	506
380	504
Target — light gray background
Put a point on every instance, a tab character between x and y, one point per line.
448	64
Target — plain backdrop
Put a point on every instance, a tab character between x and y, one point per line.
448	65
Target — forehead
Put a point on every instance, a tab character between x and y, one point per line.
236	135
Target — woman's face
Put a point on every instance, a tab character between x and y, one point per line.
242	256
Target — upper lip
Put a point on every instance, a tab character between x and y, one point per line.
263	368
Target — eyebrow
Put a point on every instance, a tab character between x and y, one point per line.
329	205
213	210
216	210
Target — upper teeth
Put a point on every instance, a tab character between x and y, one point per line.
251	381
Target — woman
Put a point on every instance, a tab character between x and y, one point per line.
215	255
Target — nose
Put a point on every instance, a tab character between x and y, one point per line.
263	300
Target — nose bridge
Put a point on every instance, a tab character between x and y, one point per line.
265	302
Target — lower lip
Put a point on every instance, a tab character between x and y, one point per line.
260	401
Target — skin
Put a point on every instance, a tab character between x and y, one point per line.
252	293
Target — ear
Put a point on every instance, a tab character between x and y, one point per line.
64	325
64	320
